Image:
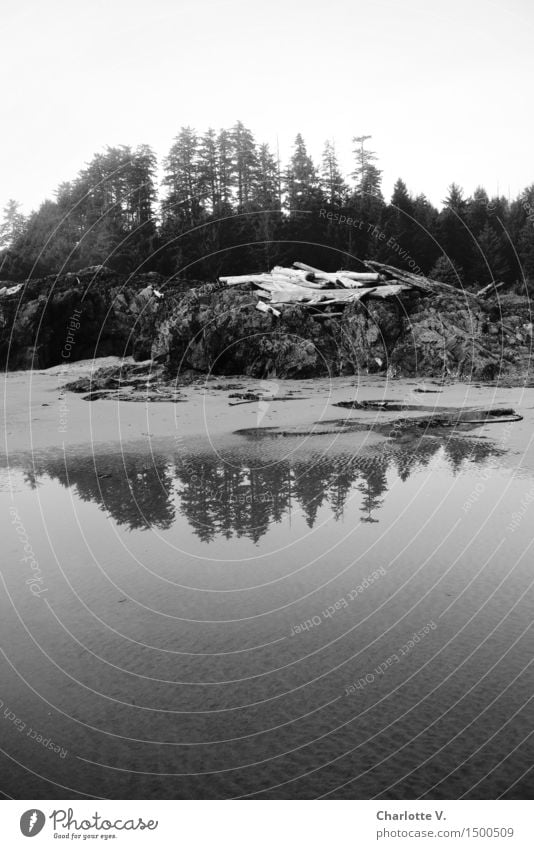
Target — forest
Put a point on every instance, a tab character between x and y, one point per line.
223	203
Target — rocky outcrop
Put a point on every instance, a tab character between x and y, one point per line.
214	329
90	313
219	331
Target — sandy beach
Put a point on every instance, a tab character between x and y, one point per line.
38	414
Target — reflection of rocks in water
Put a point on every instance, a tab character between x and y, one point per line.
240	497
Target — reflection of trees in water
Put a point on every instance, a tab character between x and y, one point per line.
227	499
237	496
135	490
372	487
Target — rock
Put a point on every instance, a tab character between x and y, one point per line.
85	314
190	334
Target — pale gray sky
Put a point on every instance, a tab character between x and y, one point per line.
445	88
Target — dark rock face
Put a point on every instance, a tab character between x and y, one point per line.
214	329
460	338
446	337
91	313
221	331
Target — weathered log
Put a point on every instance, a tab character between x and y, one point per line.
243	278
304	267
276	286
330	277
349	283
295	295
489	289
417	281
301	274
263	307
341	296
361	276
297	281
390	290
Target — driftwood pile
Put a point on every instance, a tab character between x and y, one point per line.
312	288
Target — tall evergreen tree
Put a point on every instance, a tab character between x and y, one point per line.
12	225
425	245
490	262
226	166
401	199
332	184
266	190
367	176
208	171
182	179
455	238
246	164
302	185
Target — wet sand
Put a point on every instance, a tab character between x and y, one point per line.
38	414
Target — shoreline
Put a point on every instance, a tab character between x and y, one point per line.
38	413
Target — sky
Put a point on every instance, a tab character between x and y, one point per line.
445	89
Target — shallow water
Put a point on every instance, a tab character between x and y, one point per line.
238	619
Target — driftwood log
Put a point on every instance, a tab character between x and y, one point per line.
311	287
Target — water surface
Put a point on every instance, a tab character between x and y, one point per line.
219	621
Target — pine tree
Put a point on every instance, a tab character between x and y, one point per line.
246	164
302	188
266	194
425	244
140	189
455	199
226	167
477	214
12	225
455	239
401	199
367	176
182	179
208	170
332	184
400	228
490	262
266	200
446	270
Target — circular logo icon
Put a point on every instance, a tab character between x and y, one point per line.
32	822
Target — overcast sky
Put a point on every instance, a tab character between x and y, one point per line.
444	88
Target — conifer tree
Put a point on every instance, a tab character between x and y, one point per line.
246	164
367	176
182	178
12	225
332	184
302	189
